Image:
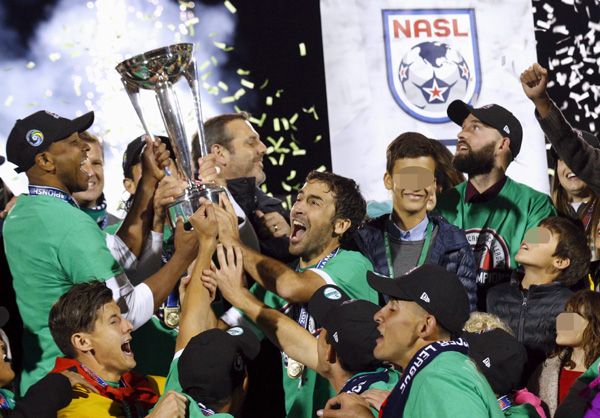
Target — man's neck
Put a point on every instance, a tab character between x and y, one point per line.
536	276
101	371
338	377
408	220
48	181
482	182
87	204
308	260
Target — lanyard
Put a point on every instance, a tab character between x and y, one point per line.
424	250
104	385
504	402
52	192
4	402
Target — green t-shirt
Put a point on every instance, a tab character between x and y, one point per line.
50	246
359	381
193	409
155	334
7	399
309	393
592	372
495	228
450	387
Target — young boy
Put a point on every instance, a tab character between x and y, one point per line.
410	237
554	256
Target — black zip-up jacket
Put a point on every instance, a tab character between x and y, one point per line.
531	314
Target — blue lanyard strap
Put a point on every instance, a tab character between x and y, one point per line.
52	192
4	403
424	249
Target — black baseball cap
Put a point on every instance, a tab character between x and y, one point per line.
435	289
214	362
35	133
350	326
493	115
500	357
133	153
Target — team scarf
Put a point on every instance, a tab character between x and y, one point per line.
395	403
98	213
358	384
135	392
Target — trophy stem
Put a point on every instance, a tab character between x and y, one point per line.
171	114
134	96
191	76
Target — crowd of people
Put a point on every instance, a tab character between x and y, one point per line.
470	297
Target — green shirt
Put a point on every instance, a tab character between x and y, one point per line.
50	246
495	228
193	409
451	387
309	393
521	411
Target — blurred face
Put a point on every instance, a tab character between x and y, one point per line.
537	249
312	220
399	322
476	147
412	183
7	374
73	168
569	329
96	180
110	340
244	153
572	184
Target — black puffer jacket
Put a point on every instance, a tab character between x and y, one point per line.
531	314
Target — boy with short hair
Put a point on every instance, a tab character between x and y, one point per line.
554	256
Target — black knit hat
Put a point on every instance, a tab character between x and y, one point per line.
133	153
35	133
435	289
350	326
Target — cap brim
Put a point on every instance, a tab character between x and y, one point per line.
458	111
248	342
320	306
388	286
83	122
4	316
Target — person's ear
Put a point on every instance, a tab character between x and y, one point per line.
341	225
388	181
560	263
45	161
221	153
81	342
129	186
427	328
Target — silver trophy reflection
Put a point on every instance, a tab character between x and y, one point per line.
158	70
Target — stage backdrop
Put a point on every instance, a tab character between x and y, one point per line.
394	66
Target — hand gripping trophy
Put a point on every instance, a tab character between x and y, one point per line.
158	70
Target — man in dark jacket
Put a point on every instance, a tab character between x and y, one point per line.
235	162
554	256
409	237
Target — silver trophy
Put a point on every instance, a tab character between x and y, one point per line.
158	70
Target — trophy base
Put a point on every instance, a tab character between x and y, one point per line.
189	202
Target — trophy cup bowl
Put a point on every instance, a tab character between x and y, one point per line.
158	70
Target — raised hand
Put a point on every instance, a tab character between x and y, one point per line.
172	405
155	158
229	275
346	405
229	233
169	188
204	221
209	170
273	223
534	81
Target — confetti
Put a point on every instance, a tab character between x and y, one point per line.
30	65
269	101
247	83
8	101
242	72
230	6
302	48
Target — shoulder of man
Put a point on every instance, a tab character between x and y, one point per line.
452	237
449	200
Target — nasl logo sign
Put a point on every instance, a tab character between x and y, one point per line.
432	59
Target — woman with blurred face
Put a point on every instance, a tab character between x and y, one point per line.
578	341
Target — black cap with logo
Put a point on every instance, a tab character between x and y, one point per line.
133	153
350	326
35	133
493	115
435	289
500	357
214	363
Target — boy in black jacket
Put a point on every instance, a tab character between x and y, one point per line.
554	256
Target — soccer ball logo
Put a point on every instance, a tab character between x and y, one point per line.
432	75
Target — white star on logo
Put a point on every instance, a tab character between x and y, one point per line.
435	92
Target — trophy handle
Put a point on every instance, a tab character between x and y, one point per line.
191	76
134	95
171	114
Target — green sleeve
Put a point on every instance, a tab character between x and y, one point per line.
592	372
541	208
348	270
84	256
112	229
172	382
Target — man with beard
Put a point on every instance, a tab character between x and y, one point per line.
328	208
494	210
235	162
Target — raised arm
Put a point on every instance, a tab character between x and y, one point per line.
290	337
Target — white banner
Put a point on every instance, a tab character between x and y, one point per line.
393	66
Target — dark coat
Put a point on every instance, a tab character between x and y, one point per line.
531	314
449	249
251	198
